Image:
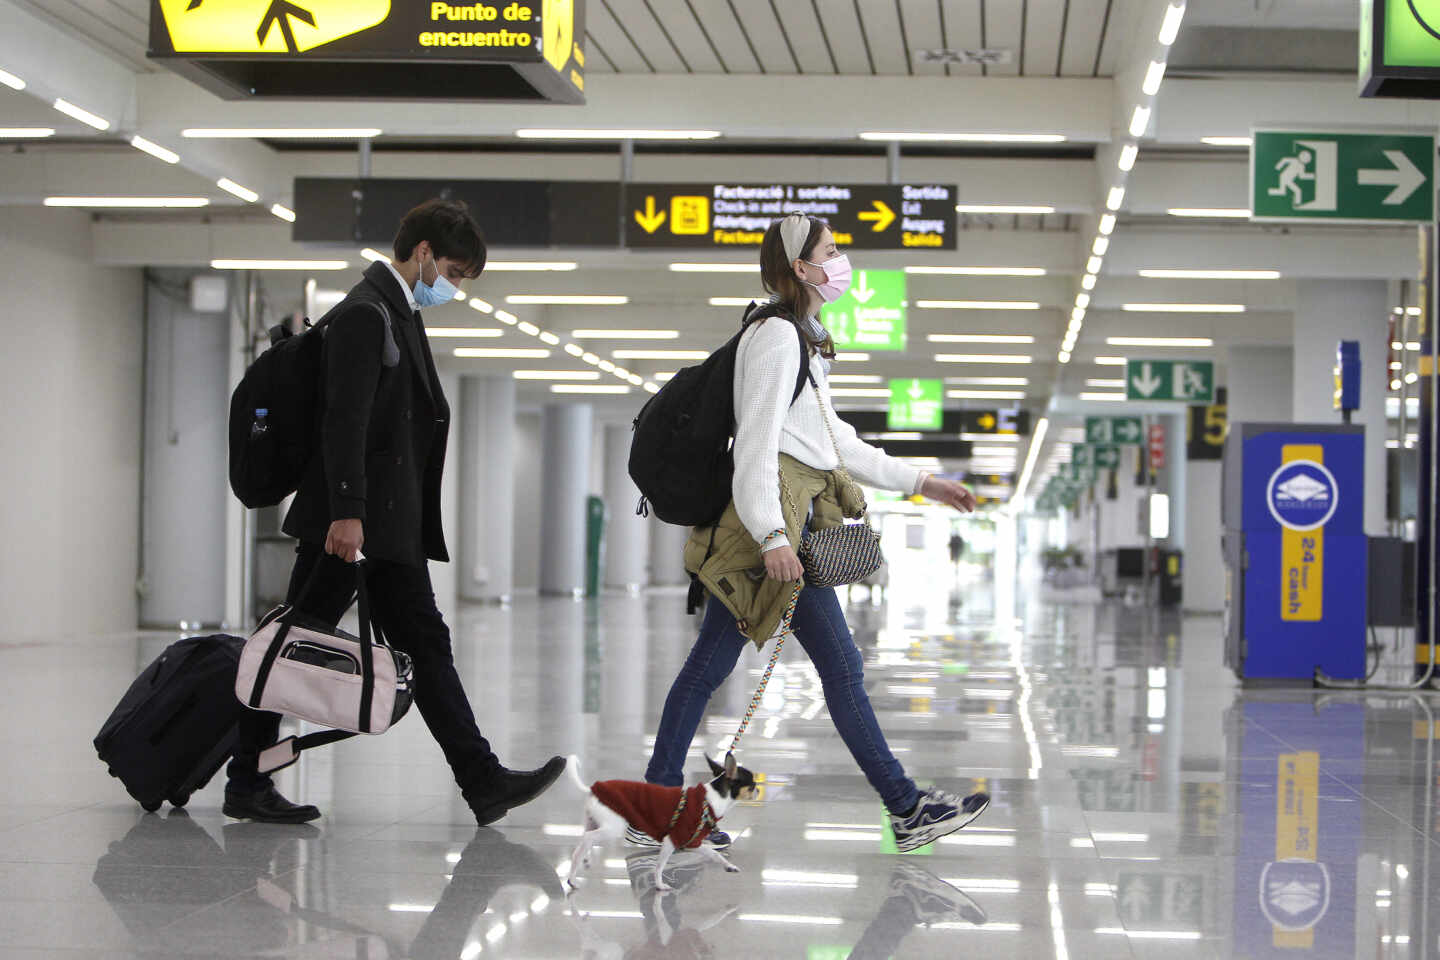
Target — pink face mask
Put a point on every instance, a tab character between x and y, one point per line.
837	278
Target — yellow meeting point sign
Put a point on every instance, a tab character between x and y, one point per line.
557	19
266	26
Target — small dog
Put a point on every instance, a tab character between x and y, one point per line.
612	805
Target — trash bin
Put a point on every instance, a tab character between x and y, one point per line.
1172	569
594	545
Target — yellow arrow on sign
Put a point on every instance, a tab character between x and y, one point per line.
651	218
266	26
882	216
986	421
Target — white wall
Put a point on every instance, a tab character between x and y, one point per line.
527	501
1204	572
70	376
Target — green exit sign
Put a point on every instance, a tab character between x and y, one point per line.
916	404
1342	177
871	314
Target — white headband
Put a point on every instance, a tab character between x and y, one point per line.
794	231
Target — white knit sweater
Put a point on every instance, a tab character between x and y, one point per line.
767	425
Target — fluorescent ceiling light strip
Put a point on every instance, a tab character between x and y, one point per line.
374	255
984	394
500	353
715	267
531	266
1082	301
1094	264
731	301
1139	120
964	137
1110	361
1227	141
1002	208
280	133
987	381
977	304
528	328
1115	198
26	133
659	354
1159	341
1211	274
852	357
847	378
978	271
576	133
283	212
1212	212
859	392
138	202
1087	282
1101	246
1128	153
482	305
625	334
11	81
1183	307
1031	455
982	358
1154	76
244	193
980	338
466	333
616	389
154	149
550	338
575	350
991	437
279	264
1105	384
607	366
1107	224
81	114
1104	397
567	299
1170	26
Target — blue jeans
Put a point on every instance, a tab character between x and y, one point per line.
820	627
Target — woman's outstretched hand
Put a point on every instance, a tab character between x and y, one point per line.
948	492
782	564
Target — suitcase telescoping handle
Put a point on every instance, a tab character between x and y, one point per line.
367	654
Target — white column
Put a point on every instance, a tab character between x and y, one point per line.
444	576
566	435
627	553
485	551
1261	384
1326	312
1173	480
667	553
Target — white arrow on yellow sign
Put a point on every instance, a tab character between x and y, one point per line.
266	26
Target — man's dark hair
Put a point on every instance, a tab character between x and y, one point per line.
452	233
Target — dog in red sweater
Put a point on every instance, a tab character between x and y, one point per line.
680	819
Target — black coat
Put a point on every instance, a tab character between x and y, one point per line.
383	429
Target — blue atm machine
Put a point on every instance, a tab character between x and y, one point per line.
1292	506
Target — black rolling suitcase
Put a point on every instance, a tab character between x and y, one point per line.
176	725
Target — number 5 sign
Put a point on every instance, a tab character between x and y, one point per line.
1207	429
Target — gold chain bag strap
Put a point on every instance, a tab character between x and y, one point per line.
847	553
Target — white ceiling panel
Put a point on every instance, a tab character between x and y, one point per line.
846	39
802	25
880	23
922	30
718	18
1002	29
613	43
960	29
681	22
1042	36
1084	29
1123	16
636	21
769	37
119	27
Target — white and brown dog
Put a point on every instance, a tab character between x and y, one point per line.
680	819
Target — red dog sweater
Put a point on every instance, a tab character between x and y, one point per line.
648	808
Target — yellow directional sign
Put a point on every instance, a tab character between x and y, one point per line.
881	217
650	219
557	21
987	421
266	26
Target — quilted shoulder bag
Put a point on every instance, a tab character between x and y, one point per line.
844	554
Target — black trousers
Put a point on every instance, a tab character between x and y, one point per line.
402	602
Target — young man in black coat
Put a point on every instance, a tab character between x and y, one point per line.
375	486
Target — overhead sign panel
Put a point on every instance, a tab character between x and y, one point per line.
1399	49
1188	381
953	422
1342	177
496	50
728	215
871	314
916	404
1125	431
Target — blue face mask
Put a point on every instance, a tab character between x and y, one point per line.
442	291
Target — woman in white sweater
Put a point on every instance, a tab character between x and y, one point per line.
802	270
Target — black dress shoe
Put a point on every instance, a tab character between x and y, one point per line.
514	788
267	806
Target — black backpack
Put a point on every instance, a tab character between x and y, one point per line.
275	416
680	455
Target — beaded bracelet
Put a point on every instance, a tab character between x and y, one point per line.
770	537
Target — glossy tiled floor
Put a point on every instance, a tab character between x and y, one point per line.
1144	805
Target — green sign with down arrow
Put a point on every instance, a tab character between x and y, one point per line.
916	404
871	314
1188	381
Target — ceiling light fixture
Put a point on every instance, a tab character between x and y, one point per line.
531	266
1211	274
1154	75
1183	307
986	381
1227	141
1110	361
1210	212
715	267
964	137
1107	224
1159	341
1082	300
500	353
528	328
984	209
1063	356
978	271
137	202
283	212
374	255
1128	153
980	338
279	264
466	333
81	114
482	305
26	133
859	392
534	133
1087	282
731	301
589	388
977	304
230	186
1115	198
982	358
852	357
575	350
11	81
555	375
1107	384
280	133
625	334
659	354
1139	120
984	394
607	366
547	337
154	149
1094	264
567	299
1170	26
1103	397
1101	246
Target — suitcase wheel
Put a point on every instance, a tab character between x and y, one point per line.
150	806
179	800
